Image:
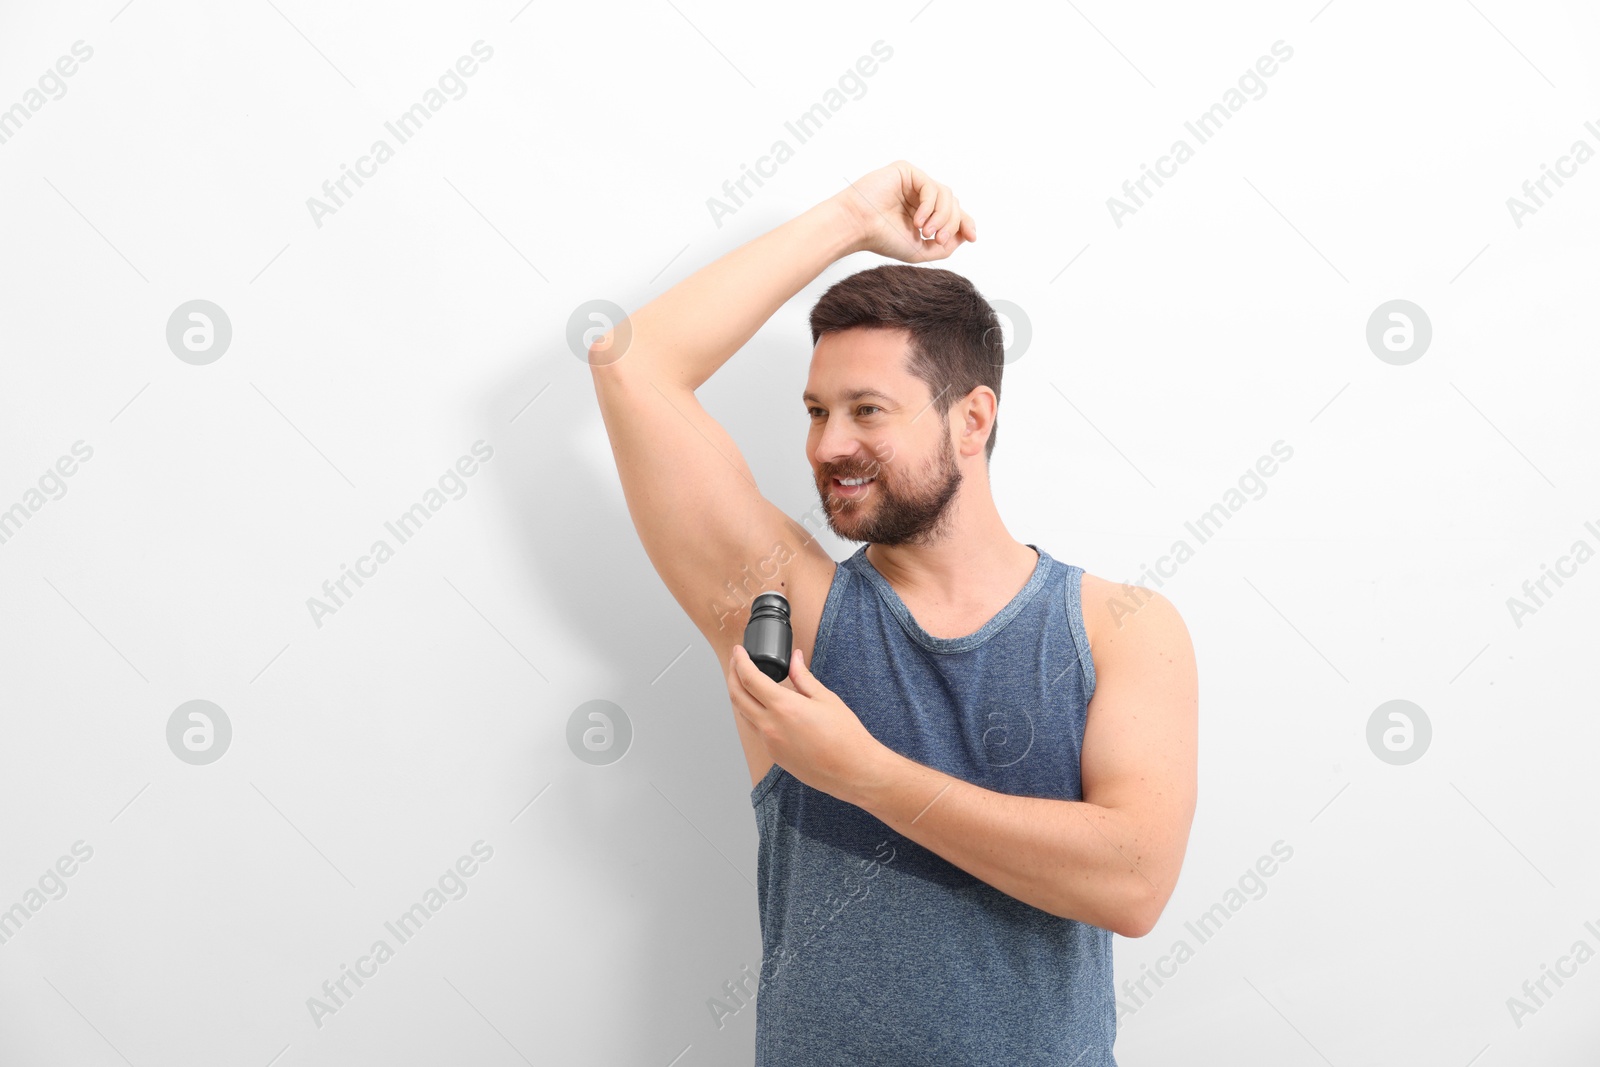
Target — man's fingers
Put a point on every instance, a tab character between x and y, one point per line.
742	663
940	214
929	203
927	192
926	197
944	219
743	702
743	672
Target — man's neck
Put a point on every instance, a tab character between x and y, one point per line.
972	556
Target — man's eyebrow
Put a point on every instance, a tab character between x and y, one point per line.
854	394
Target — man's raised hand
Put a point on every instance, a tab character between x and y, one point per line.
904	214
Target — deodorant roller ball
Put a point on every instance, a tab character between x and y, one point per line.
768	637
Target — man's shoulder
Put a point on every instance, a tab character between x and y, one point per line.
1119	617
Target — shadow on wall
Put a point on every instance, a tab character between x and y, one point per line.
647	863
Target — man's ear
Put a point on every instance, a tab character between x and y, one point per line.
978	410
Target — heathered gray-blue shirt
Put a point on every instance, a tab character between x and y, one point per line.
879	952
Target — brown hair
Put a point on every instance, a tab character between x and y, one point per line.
956	343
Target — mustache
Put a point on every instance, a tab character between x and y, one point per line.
872	473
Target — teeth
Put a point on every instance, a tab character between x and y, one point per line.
854	481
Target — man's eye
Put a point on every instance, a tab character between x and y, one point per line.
814	412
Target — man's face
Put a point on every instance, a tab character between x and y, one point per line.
872	418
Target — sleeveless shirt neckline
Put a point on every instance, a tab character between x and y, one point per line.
1036	581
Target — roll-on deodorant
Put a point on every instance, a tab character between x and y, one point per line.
768	637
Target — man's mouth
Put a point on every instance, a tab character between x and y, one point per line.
851	487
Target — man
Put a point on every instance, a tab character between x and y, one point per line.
969	780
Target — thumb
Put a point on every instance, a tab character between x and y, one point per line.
803	679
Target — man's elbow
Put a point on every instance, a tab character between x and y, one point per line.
1135	924
1142	912
1135	915
603	350
613	381
606	348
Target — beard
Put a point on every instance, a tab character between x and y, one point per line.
890	513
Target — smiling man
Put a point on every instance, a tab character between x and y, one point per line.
969	781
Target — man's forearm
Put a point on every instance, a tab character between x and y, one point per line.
1069	858
686	333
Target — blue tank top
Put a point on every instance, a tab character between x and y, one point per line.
878	951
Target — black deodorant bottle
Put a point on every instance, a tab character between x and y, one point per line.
768	637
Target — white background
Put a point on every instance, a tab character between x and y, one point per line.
430	311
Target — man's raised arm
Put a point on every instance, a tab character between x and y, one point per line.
689	491
684	335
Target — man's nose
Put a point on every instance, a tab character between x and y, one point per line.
838	447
